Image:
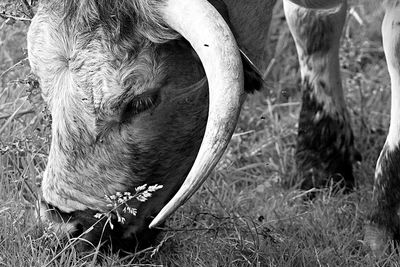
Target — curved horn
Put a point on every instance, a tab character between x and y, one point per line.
199	23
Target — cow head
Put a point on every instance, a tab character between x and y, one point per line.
132	104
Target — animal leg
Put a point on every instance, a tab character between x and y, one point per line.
325	149
384	222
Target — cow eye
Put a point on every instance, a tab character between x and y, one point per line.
144	103
139	104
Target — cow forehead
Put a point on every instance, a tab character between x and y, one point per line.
86	66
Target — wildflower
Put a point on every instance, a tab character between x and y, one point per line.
141	188
121	199
98	215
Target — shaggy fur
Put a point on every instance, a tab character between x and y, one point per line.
124	20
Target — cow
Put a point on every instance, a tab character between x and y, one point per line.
149	92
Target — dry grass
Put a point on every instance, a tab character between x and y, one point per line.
248	213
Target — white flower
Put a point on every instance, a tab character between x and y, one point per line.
98	215
141	188
155	187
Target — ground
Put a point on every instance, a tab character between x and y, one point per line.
248	213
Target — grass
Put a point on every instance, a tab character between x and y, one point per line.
248	213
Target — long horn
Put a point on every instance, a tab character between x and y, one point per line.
199	23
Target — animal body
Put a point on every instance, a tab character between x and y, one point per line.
149	92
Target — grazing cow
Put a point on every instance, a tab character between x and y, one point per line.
149	92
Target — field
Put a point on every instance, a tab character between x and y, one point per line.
249	212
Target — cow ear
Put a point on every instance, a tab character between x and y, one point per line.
253	80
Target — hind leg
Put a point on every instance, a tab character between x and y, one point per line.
384	221
325	149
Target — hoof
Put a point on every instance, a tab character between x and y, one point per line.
326	166
378	239
315	174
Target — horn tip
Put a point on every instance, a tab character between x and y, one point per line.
156	222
